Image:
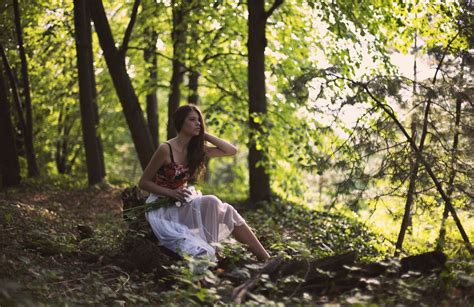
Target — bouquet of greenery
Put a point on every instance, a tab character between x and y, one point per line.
134	212
160	202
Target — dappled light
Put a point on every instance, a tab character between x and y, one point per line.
236	152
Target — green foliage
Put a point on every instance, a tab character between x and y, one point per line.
187	288
315	233
326	143
45	260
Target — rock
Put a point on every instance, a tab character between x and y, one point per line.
424	263
85	232
141	248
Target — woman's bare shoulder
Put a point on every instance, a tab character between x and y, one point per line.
164	145
163	150
160	157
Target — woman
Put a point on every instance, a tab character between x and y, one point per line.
191	228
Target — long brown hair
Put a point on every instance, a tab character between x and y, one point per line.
196	154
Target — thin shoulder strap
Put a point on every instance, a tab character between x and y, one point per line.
171	152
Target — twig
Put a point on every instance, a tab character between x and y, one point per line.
304	279
239	293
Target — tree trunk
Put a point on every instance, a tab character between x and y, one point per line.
178	36
193	98
9	164
65	142
467	59
259	179
123	85
151	97
415	166
193	85
95	109
28	136
61	143
408	204
427	166
87	92
457	123
15	94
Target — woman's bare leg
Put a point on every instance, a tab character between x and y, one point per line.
245	235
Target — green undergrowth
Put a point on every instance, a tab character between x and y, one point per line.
57	242
292	231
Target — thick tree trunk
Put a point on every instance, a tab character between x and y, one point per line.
28	136
151	97
123	85
95	109
15	93
9	164
89	117
259	179
178	36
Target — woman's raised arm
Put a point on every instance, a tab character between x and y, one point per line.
222	149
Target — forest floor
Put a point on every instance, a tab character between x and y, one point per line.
57	245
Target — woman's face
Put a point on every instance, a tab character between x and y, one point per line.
192	125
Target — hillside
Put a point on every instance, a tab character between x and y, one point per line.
66	246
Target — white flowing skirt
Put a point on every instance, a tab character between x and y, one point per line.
194	226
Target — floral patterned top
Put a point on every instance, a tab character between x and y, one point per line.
172	175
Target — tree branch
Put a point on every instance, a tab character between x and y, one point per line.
128	32
422	159
274	6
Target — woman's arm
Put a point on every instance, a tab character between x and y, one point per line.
146	181
222	149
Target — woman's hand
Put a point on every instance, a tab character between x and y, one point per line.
179	193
